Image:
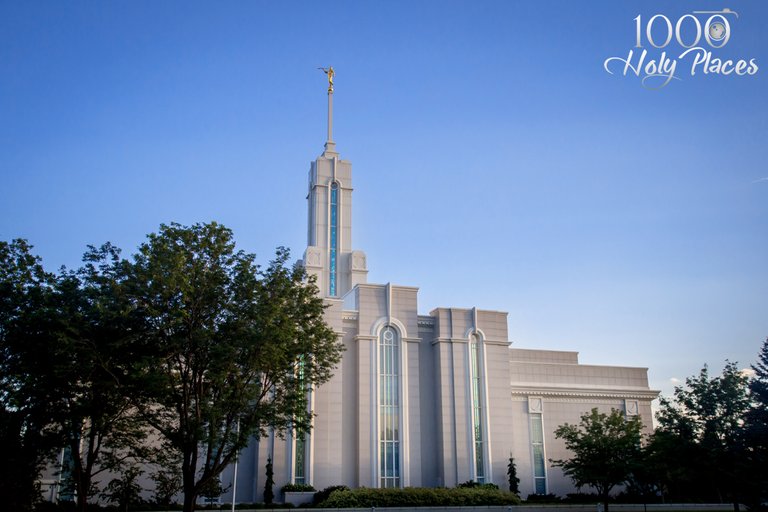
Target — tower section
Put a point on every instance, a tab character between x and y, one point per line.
329	255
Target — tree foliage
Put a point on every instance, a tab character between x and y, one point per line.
191	341
98	327
757	419
700	438
125	491
604	446
225	341
166	477
757	428
63	336
24	413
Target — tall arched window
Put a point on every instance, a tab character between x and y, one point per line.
478	420
389	408
334	228
300	434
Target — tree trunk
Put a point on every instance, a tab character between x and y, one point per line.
78	475
82	502
190	500
83	486
188	483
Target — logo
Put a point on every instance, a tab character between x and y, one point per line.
717	31
699	35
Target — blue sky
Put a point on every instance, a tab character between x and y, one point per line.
496	163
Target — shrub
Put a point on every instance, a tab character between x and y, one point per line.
297	488
323	495
543	498
582	497
471	484
419	497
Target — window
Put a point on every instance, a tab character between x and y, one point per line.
66	489
299	467
334	225
537	444
300	435
478	425
389	408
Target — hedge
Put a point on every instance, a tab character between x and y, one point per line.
418	497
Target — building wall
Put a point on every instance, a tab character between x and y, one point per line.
563	390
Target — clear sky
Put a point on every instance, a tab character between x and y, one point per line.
496	162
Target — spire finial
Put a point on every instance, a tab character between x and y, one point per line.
330	146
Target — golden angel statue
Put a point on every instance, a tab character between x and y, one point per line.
329	71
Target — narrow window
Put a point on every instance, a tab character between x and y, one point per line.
334	238
537	443
300	447
66	490
389	408
478	426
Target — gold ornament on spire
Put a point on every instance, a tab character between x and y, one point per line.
329	71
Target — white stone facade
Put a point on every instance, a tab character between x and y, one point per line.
425	400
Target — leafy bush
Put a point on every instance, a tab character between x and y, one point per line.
249	506
471	484
297	488
419	497
323	495
48	506
582	497
636	497
543	498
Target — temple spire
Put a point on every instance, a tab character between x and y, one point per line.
330	146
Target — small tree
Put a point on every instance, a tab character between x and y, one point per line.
604	448
124	491
167	478
514	481
269	495
212	491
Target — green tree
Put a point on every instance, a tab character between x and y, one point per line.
604	448
166	478
702	437
62	347
95	350
757	428
224	343
514	481
125	491
25	291
212	491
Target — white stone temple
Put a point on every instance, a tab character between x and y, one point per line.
431	399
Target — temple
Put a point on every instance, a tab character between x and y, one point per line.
431	399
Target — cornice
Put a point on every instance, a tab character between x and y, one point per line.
504	343
569	393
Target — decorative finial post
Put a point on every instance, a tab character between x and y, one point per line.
330	145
